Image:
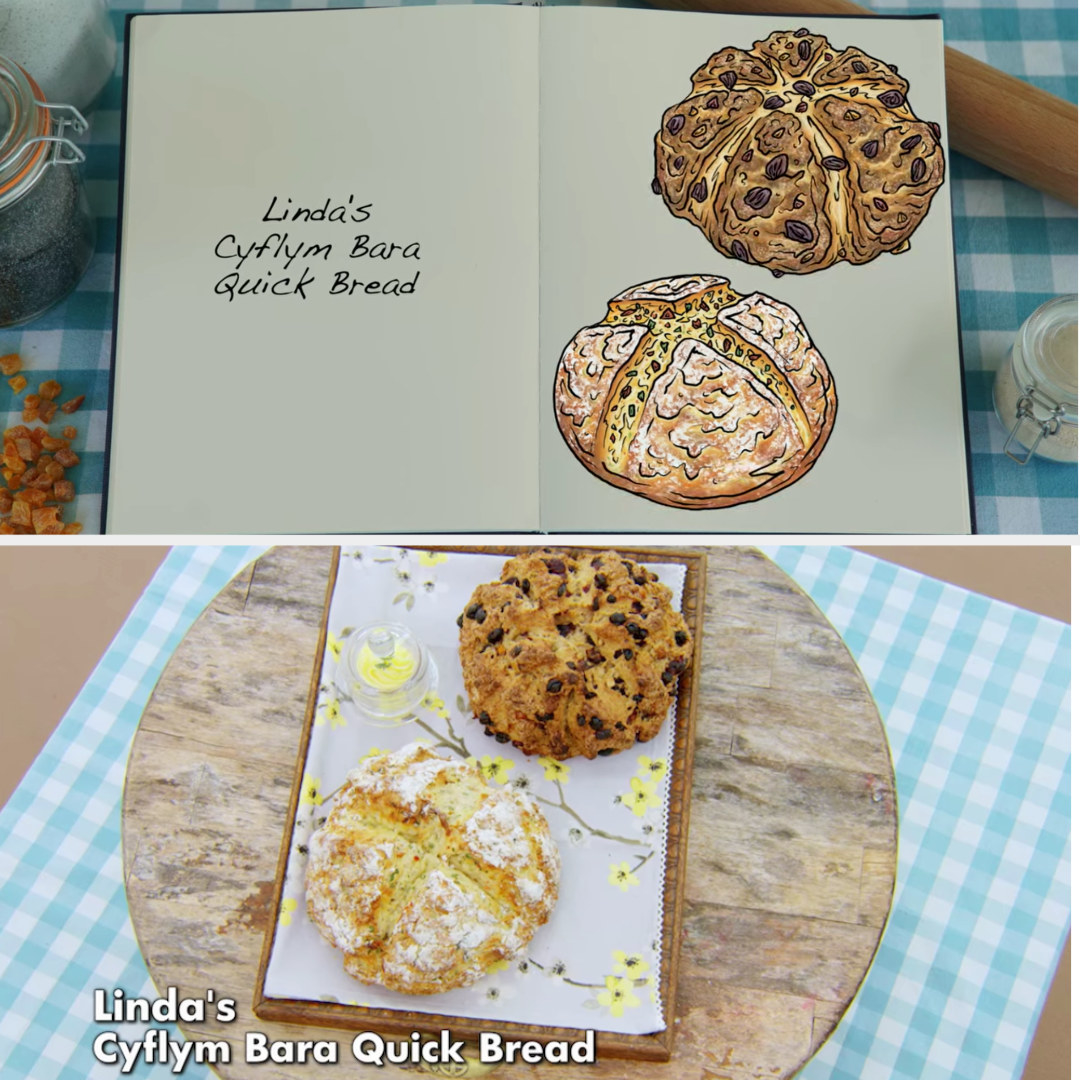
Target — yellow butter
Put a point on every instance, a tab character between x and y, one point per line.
386	672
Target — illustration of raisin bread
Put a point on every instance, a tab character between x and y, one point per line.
695	396
425	876
795	155
572	655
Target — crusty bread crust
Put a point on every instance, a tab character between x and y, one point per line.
572	655
695	396
795	155
425	876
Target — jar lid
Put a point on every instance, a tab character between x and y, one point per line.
1045	356
31	133
24	124
385	670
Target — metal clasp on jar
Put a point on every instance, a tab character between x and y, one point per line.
1025	411
66	116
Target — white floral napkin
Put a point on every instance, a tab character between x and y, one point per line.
596	961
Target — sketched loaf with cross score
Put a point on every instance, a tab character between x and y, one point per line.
695	396
572	655
425	876
795	155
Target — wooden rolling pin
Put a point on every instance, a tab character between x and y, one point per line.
995	118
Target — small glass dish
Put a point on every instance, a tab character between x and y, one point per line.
385	671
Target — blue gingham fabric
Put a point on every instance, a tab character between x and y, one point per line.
974	695
64	925
1015	249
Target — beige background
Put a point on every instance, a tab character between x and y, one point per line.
335	413
887	329
62	606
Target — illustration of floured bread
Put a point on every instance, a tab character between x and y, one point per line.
795	155
425	876
572	655
693	395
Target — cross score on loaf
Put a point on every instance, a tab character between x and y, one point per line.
693	395
425	876
795	155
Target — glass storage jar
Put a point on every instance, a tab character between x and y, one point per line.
46	230
1035	388
67	45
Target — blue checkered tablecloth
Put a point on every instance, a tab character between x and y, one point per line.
1015	249
974	695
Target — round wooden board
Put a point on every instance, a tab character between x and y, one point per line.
792	846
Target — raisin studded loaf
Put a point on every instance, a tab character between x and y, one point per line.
425	876
572	655
695	396
796	155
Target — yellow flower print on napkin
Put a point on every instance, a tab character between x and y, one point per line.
432	558
622	875
309	791
493	768
288	906
641	796
555	770
652	768
333	646
632	965
330	711
433	703
617	995
375	751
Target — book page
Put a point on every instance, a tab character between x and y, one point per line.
820	388
328	293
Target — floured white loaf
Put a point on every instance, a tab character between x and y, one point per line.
693	395
425	876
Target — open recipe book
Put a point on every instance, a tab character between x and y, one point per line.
482	268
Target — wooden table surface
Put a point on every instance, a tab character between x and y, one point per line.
792	846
